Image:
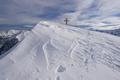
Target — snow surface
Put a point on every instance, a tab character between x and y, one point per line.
54	51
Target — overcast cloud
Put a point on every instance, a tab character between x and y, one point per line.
32	11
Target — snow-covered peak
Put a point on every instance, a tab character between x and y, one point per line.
9	32
54	51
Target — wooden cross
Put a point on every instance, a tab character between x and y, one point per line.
66	21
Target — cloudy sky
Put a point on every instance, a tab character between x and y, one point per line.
32	11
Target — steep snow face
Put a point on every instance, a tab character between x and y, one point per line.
53	51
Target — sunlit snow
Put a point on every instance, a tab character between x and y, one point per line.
53	51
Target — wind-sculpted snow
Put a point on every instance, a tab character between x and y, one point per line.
53	51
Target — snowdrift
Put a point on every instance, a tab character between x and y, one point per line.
54	51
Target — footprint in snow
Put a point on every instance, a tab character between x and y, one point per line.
61	69
57	78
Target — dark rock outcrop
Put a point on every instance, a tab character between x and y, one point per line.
7	43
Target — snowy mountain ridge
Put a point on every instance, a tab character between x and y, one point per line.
14	33
54	51
9	33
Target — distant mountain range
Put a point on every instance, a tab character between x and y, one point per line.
10	37
17	27
110	29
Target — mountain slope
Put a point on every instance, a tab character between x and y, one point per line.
57	52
